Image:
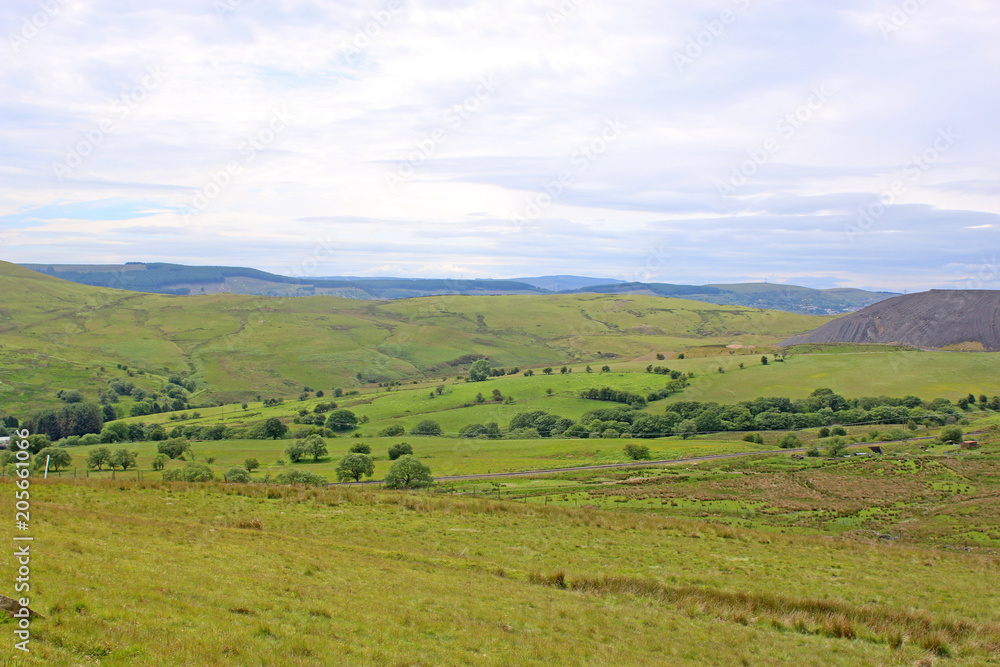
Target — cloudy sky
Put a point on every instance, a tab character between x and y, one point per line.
823	143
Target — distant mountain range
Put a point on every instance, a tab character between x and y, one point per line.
939	319
163	278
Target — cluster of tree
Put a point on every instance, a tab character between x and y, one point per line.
103	456
615	395
71	419
663	370
489	430
313	446
482	369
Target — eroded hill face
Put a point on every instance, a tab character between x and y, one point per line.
940	319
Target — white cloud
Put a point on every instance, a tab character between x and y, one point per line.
355	117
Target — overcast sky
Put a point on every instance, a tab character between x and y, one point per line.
823	143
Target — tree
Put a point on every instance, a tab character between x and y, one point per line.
354	467
173	447
391	431
637	452
686	429
360	448
763	359
605	369
547	371
497	396
58	458
426	427
407	473
160	461
121	458
38	442
274	428
342	420
98	458
296	451
836	447
315	446
398	450
480	370
589	369
951	434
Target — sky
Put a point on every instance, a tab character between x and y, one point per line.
830	143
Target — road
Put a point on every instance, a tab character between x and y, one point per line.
637	464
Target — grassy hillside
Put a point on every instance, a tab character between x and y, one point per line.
58	335
174	574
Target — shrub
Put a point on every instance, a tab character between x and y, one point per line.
401	449
635	451
838	430
238	475
300	477
192	472
160	461
360	448
790	441
812	451
823	433
390	432
426	427
951	434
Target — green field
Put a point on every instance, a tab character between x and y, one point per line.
130	573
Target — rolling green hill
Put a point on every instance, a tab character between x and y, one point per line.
60	335
163	278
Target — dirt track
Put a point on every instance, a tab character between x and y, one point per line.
933	319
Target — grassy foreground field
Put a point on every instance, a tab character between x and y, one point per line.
172	574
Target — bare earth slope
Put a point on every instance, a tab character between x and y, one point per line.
934	319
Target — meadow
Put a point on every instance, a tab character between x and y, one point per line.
153	573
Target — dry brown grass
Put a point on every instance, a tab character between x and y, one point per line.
831	618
